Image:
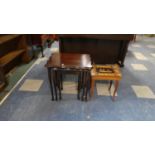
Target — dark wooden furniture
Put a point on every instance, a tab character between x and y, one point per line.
40	40
60	63
13	50
106	72
103	48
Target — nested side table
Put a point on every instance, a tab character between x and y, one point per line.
60	63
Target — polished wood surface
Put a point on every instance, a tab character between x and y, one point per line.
14	42
69	60
103	48
60	63
100	36
5	38
111	72
10	56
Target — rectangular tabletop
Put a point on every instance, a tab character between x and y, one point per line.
69	60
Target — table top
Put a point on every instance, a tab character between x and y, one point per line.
106	71
69	60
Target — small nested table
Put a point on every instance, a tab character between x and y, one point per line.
106	72
61	63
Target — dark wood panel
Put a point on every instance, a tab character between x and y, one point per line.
104	49
100	36
13	50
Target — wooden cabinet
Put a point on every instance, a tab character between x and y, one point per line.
13	50
103	48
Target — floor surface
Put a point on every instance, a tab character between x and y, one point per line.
31	99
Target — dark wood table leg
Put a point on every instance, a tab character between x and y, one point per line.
110	85
83	85
84	95
50	82
79	84
116	88
55	84
59	82
88	83
87	80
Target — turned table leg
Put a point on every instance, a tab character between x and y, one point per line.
110	85
55	84
92	87
50	82
116	88
58	73
79	84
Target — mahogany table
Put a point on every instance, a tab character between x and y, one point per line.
60	63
